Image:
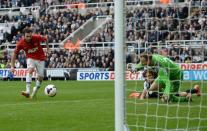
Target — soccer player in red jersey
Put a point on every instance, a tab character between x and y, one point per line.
31	44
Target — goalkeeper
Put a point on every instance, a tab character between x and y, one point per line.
174	73
160	77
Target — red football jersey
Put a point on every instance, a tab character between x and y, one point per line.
32	49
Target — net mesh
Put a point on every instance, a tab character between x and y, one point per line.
178	32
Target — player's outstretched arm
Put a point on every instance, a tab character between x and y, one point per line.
167	91
143	94
139	66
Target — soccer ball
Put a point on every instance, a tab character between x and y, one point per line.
50	90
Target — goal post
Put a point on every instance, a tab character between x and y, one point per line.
119	20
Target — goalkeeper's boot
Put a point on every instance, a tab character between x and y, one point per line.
198	91
24	93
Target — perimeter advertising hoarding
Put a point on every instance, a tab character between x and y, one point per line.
18	73
195	75
106	75
192	75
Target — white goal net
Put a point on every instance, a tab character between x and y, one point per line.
178	32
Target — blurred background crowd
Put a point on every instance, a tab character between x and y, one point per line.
146	26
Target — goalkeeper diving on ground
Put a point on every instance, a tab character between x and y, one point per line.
162	79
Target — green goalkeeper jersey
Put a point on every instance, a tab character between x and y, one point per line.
160	61
167	87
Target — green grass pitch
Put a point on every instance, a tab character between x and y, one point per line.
86	106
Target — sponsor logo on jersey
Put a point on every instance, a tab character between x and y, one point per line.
33	50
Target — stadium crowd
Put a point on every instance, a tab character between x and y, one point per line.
145	24
85	58
44	3
56	26
93	58
159	24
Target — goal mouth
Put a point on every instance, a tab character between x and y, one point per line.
173	37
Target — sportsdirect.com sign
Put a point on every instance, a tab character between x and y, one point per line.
18	73
193	66
107	75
